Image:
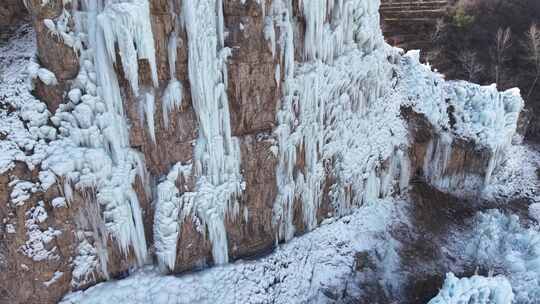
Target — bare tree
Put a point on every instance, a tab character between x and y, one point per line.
437	34
433	55
533	48
500	52
469	62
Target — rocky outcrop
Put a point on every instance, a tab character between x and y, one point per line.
12	14
462	164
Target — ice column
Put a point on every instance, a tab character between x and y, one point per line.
216	154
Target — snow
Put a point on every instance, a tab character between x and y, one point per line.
46	76
21	115
305	270
59	202
534	211
85	264
21	191
37	245
517	176
61	28
56	275
499	241
474	290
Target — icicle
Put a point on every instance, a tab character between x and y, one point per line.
127	25
323	103
149	112
371	192
270	34
437	157
405	168
92	150
216	154
166	227
387	176
172	97
171	52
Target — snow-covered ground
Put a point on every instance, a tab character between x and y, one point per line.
502	244
474	290
318	267
518	176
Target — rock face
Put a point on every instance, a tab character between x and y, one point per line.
232	125
12	14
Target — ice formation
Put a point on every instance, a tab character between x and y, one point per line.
166	219
217	154
516	177
126	25
216	162
46	76
339	116
459	110
499	241
92	153
309	269
327	102
172	96
86	264
474	290
60	28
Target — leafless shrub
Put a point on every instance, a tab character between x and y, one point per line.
438	32
533	54
499	52
469	62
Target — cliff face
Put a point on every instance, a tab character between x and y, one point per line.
185	134
12	14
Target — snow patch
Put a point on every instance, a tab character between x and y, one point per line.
39	245
474	290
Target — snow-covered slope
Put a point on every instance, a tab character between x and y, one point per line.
500	242
315	268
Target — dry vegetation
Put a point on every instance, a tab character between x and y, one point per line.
493	41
